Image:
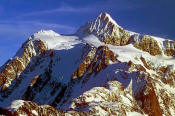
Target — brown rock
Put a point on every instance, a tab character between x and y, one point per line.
148	44
17	65
148	100
120	40
170	48
99	61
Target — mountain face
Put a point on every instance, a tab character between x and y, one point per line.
102	69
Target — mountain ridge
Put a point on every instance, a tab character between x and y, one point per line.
102	69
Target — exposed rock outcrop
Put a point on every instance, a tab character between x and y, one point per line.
170	48
107	74
14	67
32	109
107	30
147	44
96	59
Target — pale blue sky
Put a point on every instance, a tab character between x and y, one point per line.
21	18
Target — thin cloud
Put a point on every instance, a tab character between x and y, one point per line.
26	28
61	9
113	5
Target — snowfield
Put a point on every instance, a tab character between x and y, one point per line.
56	41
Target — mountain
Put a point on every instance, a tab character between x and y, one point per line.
102	69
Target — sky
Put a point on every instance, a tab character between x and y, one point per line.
19	19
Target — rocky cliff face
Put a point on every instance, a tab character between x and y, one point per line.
96	59
148	44
107	30
170	48
17	65
103	69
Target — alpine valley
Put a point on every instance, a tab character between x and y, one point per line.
101	70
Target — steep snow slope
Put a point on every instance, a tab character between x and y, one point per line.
101	70
59	60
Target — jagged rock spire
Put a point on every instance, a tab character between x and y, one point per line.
103	27
105	17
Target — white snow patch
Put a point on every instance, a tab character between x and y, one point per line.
134	114
126	100
34	112
172	111
16	104
56	41
131	33
111	20
47	32
22	115
93	40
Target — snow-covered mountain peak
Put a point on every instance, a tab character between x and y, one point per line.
45	33
103	27
54	40
103	69
105	17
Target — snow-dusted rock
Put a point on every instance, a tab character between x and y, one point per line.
103	69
